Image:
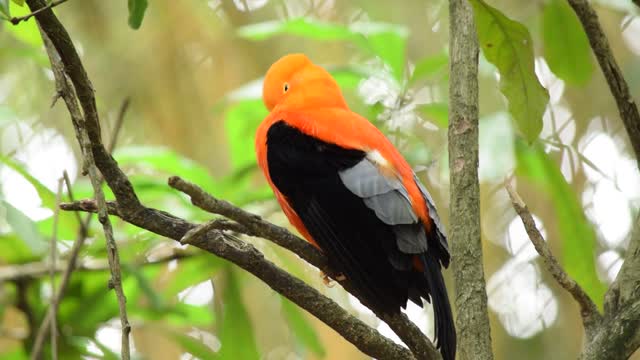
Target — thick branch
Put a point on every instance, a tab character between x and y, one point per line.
410	334
247	257
591	318
472	322
617	84
252	225
55	37
618	337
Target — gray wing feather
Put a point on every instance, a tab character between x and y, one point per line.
392	208
433	213
390	201
365	180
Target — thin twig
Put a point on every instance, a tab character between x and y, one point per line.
119	121
52	273
17	20
617	84
588	309
40	269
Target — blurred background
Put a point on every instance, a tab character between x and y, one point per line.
192	72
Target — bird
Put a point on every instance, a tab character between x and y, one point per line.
348	191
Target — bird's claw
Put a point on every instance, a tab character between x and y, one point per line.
328	281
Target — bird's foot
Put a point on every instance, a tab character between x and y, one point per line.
328	281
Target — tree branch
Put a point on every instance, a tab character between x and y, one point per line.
617	84
618	337
410	334
90	166
472	322
17	20
40	269
591	318
252	225
248	258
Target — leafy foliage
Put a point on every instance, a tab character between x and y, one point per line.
566	46
397	79
137	9
578	236
507	44
384	40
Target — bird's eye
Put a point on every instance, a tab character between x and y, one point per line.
286	87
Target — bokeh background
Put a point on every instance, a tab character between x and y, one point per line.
192	72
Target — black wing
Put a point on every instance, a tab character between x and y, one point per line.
363	221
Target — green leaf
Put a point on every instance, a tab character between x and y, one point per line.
241	122
67	224
15	251
429	66
301	329
25	228
137	9
387	41
236	333
566	46
192	345
507	44
4	8
308	28
26	31
438	113
165	161
6	114
108	354
577	234
18	2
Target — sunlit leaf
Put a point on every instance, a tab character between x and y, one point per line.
107	353
577	234
241	122
25	31
236	331
429	67
15	352
308	28
507	44
385	40
13	250
67	224
165	161
137	9
6	114
193	346
4	8
438	113
301	328
155	302
566	47
18	2
25	228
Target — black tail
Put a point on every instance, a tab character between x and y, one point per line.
445	330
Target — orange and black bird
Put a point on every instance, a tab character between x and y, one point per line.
349	192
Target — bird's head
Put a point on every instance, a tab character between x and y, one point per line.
294	81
